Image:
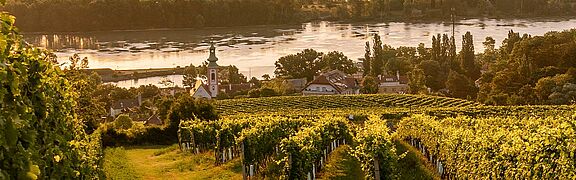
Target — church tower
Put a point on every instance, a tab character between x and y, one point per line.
213	72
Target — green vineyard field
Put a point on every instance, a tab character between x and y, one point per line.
334	102
291	137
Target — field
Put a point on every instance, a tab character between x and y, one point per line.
367	137
234	106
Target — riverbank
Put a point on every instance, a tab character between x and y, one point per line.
109	75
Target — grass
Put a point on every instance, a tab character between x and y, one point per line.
167	162
342	165
414	165
117	166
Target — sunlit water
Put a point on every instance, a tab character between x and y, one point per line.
255	49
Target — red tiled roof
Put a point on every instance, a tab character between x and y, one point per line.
336	79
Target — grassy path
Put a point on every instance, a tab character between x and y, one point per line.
414	165
167	162
342	165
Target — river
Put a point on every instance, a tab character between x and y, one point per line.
255	49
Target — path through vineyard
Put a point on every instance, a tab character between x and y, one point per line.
167	162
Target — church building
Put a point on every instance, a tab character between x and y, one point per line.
209	90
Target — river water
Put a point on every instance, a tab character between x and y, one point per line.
255	49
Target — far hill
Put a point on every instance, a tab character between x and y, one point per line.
344	101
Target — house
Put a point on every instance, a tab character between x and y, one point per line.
332	83
200	90
211	88
124	105
234	88
153	120
393	84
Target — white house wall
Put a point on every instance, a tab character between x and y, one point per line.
319	89
201	93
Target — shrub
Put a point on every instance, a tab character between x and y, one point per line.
123	122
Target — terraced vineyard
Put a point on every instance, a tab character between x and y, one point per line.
333	102
292	137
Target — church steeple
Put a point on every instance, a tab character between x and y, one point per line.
213	72
212	59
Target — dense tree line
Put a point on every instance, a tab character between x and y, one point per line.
530	70
524	70
93	15
82	15
430	70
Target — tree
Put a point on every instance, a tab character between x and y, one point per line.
433	79
467	62
234	76
377	60
489	56
266	77
123	121
255	82
279	85
337	61
369	85
302	65
267	92
148	91
459	86
417	81
89	109
185	107
190	74
367	60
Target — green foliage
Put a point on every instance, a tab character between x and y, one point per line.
305	148
460	86
89	109
123	122
42	136
377	60
417	81
309	63
305	64
467	58
374	143
274	104
369	85
338	61
186	108
366	64
528	70
261	140
497	147
190	74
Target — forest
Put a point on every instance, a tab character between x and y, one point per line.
98	15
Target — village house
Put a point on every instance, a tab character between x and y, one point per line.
393	84
124	106
332	83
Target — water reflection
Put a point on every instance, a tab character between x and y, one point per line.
176	79
255	49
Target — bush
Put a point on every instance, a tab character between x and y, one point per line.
123	122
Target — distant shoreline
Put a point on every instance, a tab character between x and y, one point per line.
109	75
348	21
